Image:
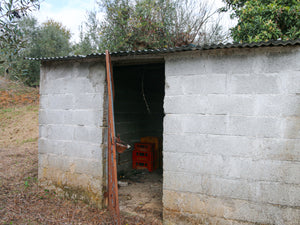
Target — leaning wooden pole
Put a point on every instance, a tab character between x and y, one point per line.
113	198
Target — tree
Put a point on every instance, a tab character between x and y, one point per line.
148	24
11	40
53	39
90	38
263	20
49	39
21	69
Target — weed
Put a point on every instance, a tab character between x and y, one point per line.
7	110
29	140
27	182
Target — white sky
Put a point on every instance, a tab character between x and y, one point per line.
71	13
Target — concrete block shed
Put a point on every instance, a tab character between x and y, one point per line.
228	115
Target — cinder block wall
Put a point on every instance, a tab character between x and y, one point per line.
71	129
231	137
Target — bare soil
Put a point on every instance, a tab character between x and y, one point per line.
143	196
23	201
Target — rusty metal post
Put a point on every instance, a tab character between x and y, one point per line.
113	198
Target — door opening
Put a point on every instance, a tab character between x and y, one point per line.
138	109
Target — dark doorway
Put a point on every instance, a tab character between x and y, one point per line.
138	107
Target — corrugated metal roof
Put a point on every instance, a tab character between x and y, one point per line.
175	49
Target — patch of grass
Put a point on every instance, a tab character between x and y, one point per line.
7	115
29	140
7	110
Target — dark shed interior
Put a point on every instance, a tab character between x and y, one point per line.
138	106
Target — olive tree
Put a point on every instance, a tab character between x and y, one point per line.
148	24
263	20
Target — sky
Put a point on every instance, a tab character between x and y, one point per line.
71	13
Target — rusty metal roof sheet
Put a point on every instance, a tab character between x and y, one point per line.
174	49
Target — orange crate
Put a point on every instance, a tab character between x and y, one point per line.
138	165
146	147
142	156
157	152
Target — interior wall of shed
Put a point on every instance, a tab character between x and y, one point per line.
138	106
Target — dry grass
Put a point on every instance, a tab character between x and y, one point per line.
14	94
18	126
23	201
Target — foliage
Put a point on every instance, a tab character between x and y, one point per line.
148	24
263	20
53	39
11	40
49	39
89	40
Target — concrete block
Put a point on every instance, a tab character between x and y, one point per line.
42	162
173	124
259	170
60	101
231	105
292	128
97	74
60	71
89	167
201	124
260	213
74	78
89	101
233	167
182	182
279	149
238	63
185	65
87	117
260	192
88	134
71	117
255	126
43	131
204	84
80	85
82	150
235	146
238	146
173	85
186	104
205	124
277	193
233	211
278	105
59	132
47	146
196	164
293	81
56	86
58	162
181	143
44	101
254	84
285	60
52	116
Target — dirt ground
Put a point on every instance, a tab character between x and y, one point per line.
23	201
143	196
